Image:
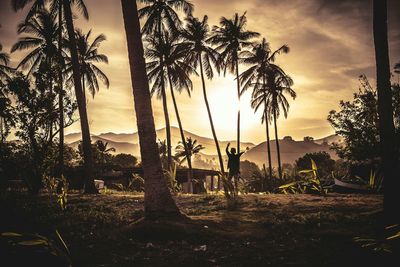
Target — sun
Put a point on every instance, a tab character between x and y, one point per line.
224	107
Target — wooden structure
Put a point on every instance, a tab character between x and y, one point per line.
210	178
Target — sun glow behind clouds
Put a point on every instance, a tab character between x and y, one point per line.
224	106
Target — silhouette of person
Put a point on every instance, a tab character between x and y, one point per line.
233	163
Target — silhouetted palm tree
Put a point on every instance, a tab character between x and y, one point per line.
88	55
5	72
191	146
161	17
158	200
389	147
104	149
260	58
163	152
42	30
42	40
88	157
64	8
200	53
4	61
230	38
174	69
279	83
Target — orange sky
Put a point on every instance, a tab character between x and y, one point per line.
331	44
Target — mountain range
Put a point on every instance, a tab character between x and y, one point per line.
128	143
290	149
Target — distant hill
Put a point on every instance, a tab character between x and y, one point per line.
330	139
290	151
133	138
120	147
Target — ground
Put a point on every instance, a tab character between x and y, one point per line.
270	229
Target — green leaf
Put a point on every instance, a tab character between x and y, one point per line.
287	185
62	241
306	171
35	242
10	234
393	236
392	226
313	165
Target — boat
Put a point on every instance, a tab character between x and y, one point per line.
349	186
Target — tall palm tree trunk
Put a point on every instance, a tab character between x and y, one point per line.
267	129
178	118
221	162
238	115
167	124
86	143
60	95
389	148
278	151
164	99
158	200
268	144
1	131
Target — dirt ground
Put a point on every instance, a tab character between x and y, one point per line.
272	229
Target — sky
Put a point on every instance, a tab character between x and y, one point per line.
330	42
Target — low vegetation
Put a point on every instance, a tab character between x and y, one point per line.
263	229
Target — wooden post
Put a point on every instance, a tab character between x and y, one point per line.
219	183
212	183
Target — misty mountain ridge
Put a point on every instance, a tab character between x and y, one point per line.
291	149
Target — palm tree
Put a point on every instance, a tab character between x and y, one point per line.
88	55
230	38
196	34
191	146
260	99
4	61
260	58
162	17
5	72
174	69
42	29
163	152
62	6
389	151
88	155
60	88
158	200
279	83
103	148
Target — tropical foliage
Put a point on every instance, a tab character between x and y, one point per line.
357	123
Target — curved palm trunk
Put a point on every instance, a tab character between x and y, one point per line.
51	93
167	125
164	99
158	200
267	129
221	162
2	134
278	152
389	148
86	143
189	161
238	116
268	139
60	95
